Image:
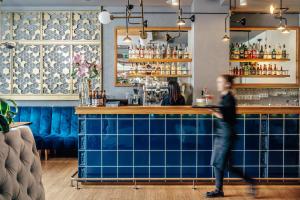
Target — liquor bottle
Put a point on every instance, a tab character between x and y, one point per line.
173	69
157	52
168	69
275	70
265	70
246	52
180	52
236	51
273	53
284	55
261	52
174	54
104	98
266	52
163	52
186	53
169	51
278	52
270	70
231	51
253	51
242	51
281	71
270	52
179	69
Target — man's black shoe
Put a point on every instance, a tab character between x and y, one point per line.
214	194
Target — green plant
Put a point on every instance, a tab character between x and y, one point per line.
6	113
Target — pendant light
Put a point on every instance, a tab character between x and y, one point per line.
243	2
173	2
181	20
226	38
279	15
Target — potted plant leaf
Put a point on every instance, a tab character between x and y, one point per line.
8	110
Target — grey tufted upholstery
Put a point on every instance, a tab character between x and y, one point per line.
20	166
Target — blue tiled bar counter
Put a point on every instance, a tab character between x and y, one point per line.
176	142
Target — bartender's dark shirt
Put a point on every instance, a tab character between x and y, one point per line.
166	101
228	108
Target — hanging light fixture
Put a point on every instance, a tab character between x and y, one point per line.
272	9
278	14
173	2
243	2
226	38
280	27
181	20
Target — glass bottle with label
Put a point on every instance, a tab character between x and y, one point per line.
173	69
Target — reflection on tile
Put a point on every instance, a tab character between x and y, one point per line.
125	142
189	126
173	126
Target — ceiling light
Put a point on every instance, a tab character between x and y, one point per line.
272	9
127	39
180	22
225	38
286	31
173	2
105	17
243	2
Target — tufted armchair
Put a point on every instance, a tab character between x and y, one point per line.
20	166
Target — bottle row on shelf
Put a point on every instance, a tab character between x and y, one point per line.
257	51
97	98
162	69
256	69
158	52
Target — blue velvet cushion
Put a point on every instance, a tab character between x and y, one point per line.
52	127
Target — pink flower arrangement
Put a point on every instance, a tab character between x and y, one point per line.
84	69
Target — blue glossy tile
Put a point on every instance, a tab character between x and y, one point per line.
240	126
251	142
204	172
292	116
291	126
189	158
109	158
94	158
81	142
173	126
125	127
125	142
275	116
205	142
240	116
291	142
205	116
93	172
252	126
157	126
125	116
291	158
173	116
237	158
204	158
205	126
93	126
141	116
275	142
275	172
125	158
190	116
109	126
125	172
291	172
252	116
157	116
157	172
189	142
173	158
276	126
81	116
82	172
157	142
109	116
189	126
251	158
239	142
252	172
141	172
141	158
141	126
230	174
93	142
82	158
141	142
172	172
81	126
173	142
109	172
157	158
93	116
109	142
275	158
189	172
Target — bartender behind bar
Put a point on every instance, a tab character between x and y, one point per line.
173	97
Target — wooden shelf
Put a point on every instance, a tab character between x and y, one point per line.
263	76
259	60
163	60
160	76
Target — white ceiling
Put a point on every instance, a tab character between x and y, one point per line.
57	3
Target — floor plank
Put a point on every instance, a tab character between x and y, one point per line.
57	173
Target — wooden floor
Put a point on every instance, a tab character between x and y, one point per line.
57	172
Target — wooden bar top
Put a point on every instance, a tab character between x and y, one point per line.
183	110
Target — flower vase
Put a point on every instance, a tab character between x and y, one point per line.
83	92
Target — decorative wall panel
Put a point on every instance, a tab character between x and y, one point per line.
4	70
41	63
26	70
56	74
